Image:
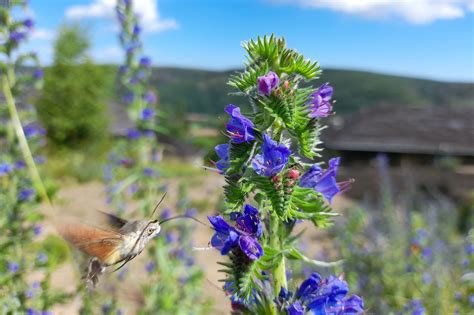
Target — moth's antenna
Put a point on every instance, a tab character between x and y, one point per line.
185	217
159	203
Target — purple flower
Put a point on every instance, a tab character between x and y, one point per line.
40	159
267	83
136	30
240	128
166	214
38	74
249	222
37	229
145	62
295	309
128	98
245	235
321	102
16	37
150	97
42	258
123	69
133	134
26	194
13	267
19	165
147	114
415	307
33	130
150	266
5	168
28	23
225	236
273	159
324	182
30	311
148	171
222	151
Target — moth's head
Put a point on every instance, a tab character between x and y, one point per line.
152	229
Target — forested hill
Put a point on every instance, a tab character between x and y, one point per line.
201	91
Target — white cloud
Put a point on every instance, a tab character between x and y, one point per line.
147	10
42	34
413	11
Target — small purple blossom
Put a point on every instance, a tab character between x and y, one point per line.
33	130
133	134
296	309
222	151
239	127
5	168
128	98
38	74
147	114
148	171
324	182
26	194
19	165
166	214
321	102
42	258
28	23
37	229
136	30
150	266
145	62
273	158
17	37
267	83
13	267
244	236
150	97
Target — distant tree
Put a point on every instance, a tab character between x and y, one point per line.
72	107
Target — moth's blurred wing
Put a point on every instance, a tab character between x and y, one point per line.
112	220
94	242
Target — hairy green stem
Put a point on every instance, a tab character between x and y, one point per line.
25	149
279	272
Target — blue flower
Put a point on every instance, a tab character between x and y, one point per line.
415	307
222	151
240	128
33	130
30	311
268	82
128	98
324	182
295	309
249	222
16	36
13	267
321	102
19	165
150	97
150	266
5	168
147	114
37	229
136	30
273	159
42	258
38	74
133	134
225	236
148	171
26	194
28	23
309	288
246	233
145	62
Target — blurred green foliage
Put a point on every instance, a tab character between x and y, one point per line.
72	106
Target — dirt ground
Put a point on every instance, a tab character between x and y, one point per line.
78	200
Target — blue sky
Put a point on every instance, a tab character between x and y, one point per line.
422	38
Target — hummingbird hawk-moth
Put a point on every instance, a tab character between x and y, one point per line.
114	245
